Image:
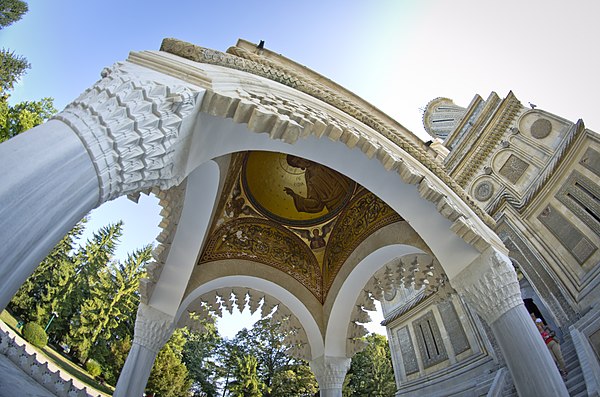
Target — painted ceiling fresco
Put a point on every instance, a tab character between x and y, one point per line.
295	215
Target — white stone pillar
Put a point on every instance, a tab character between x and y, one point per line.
126	133
48	184
153	329
330	373
489	284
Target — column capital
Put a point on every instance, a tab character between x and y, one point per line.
153	328
489	284
330	371
130	123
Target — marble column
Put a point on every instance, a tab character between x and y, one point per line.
48	184
126	133
330	373
153	329
489	284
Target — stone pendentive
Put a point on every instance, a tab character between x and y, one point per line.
267	242
130	122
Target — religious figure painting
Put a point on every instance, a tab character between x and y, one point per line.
294	190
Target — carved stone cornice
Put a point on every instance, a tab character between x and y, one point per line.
153	328
129	122
490	285
499	125
330	371
243	60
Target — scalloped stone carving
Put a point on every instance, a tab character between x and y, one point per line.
489	285
153	328
129	122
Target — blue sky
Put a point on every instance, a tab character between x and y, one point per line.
396	54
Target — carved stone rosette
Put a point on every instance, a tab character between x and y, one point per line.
490	285
330	371
129	122
153	328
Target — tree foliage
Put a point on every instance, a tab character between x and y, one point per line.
371	373
23	116
43	292
169	375
246	382
201	354
11	11
295	381
12	68
266	342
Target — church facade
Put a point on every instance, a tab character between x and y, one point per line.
282	191
537	175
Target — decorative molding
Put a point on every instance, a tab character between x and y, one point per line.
171	201
520	203
484	190
153	328
489	284
535	270
266	242
330	371
240	59
129	122
365	214
513	168
503	119
212	304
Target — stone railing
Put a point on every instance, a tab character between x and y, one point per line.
26	359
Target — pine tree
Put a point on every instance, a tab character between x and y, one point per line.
42	292
169	375
11	11
12	68
109	310
92	261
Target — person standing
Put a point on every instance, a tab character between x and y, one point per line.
552	345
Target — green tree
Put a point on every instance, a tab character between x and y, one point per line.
23	116
43	291
246	382
371	373
12	68
200	355
11	11
265	341
91	261
119	349
296	381
169	375
110	307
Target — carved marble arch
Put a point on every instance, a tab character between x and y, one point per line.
241	109
248	292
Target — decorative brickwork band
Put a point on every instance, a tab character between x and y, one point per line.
490	285
130	123
153	328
